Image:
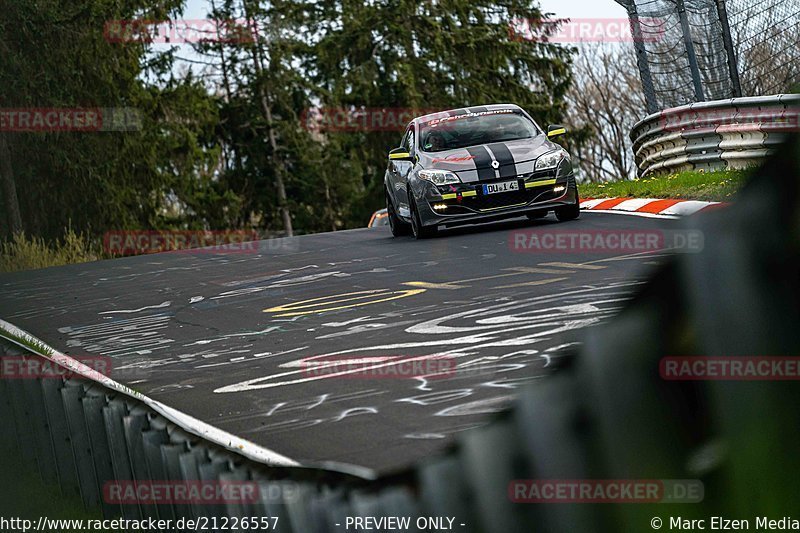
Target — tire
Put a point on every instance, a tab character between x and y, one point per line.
570	212
417	229
398	227
535	215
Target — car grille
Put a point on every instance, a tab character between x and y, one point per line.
495	202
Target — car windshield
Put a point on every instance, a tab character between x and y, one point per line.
439	135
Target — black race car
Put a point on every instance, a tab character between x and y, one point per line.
477	164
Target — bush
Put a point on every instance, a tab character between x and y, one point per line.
27	253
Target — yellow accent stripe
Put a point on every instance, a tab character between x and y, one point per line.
469	193
451	196
400	155
540	183
553	133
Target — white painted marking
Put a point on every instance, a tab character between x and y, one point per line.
687	208
588	204
633	214
159	306
579	266
633	204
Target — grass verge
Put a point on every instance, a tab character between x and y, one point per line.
717	186
27	253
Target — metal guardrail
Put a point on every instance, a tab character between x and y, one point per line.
724	134
82	434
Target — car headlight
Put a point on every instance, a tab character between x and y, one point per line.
439	177
550	160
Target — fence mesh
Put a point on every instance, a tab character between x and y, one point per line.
696	50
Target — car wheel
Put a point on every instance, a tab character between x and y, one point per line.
534	215
398	227
417	229
570	212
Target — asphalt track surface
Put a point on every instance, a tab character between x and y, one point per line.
231	338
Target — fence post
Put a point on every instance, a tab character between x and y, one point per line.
641	56
733	67
690	52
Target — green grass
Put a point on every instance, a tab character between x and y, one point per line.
718	186
33	345
27	253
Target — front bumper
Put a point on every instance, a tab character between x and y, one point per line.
466	204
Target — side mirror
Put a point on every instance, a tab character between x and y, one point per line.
555	130
400	154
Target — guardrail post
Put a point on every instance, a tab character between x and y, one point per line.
26	441
170	454
113	414
71	396
134	425
94	404
152	440
445	491
45	457
60	436
273	499
8	436
188	463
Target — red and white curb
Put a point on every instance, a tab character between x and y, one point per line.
648	206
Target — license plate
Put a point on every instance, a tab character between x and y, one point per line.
506	186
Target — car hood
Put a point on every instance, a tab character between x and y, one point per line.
486	162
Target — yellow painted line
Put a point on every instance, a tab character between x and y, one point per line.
650	254
469	193
530	283
530	270
579	266
321	305
450	196
489	277
529	184
427	285
516	271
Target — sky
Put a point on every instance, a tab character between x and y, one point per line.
583	8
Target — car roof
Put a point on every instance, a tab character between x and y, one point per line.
464	111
